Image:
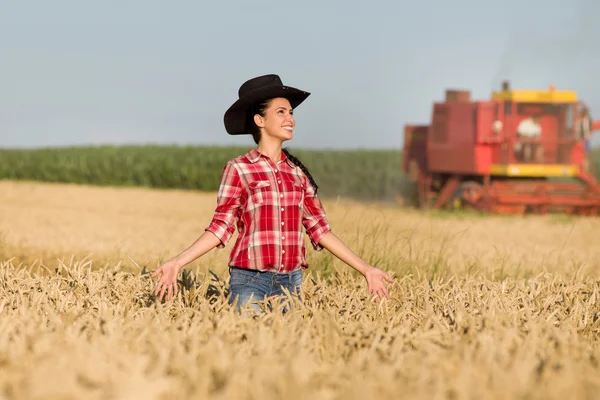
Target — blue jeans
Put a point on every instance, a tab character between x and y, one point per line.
246	285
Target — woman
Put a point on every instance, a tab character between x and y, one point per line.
268	195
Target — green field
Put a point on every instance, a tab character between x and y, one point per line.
359	174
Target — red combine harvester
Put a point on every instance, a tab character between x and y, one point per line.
522	151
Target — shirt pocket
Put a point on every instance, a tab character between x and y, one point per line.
297	194
259	192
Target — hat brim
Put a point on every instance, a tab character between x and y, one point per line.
235	116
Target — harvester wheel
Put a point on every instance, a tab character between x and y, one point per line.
470	196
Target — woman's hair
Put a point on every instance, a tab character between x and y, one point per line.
261	109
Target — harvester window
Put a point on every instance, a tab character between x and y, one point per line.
528	109
542	129
569	118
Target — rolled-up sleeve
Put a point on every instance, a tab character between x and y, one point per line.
228	203
314	218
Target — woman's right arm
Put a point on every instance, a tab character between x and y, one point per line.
205	243
217	234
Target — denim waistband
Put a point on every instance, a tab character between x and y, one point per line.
231	268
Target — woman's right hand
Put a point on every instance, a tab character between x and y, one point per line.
168	280
169	270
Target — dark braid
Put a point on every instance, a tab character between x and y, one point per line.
254	130
299	164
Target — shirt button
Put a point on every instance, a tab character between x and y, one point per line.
278	181
282	251
282	209
282	223
281	195
283	238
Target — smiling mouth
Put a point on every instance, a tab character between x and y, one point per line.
288	128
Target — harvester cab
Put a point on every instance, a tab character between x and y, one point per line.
542	130
520	151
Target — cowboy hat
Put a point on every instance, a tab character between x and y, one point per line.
256	90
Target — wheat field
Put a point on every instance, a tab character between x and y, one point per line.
481	307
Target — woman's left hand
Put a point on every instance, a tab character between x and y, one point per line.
375	278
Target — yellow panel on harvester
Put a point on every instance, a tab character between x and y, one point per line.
535	170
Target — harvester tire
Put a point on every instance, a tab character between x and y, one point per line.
469	196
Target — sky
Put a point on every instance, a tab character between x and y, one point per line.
148	71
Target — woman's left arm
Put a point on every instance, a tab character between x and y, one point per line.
319	232
374	276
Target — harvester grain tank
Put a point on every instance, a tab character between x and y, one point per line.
521	151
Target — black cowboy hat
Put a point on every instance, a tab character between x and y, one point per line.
256	90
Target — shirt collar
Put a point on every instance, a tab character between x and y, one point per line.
254	155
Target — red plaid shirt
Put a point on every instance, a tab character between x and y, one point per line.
269	203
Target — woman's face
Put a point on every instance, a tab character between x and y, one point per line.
278	122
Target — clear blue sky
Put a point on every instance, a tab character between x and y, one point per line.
147	71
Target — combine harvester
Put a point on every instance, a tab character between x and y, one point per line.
521	152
